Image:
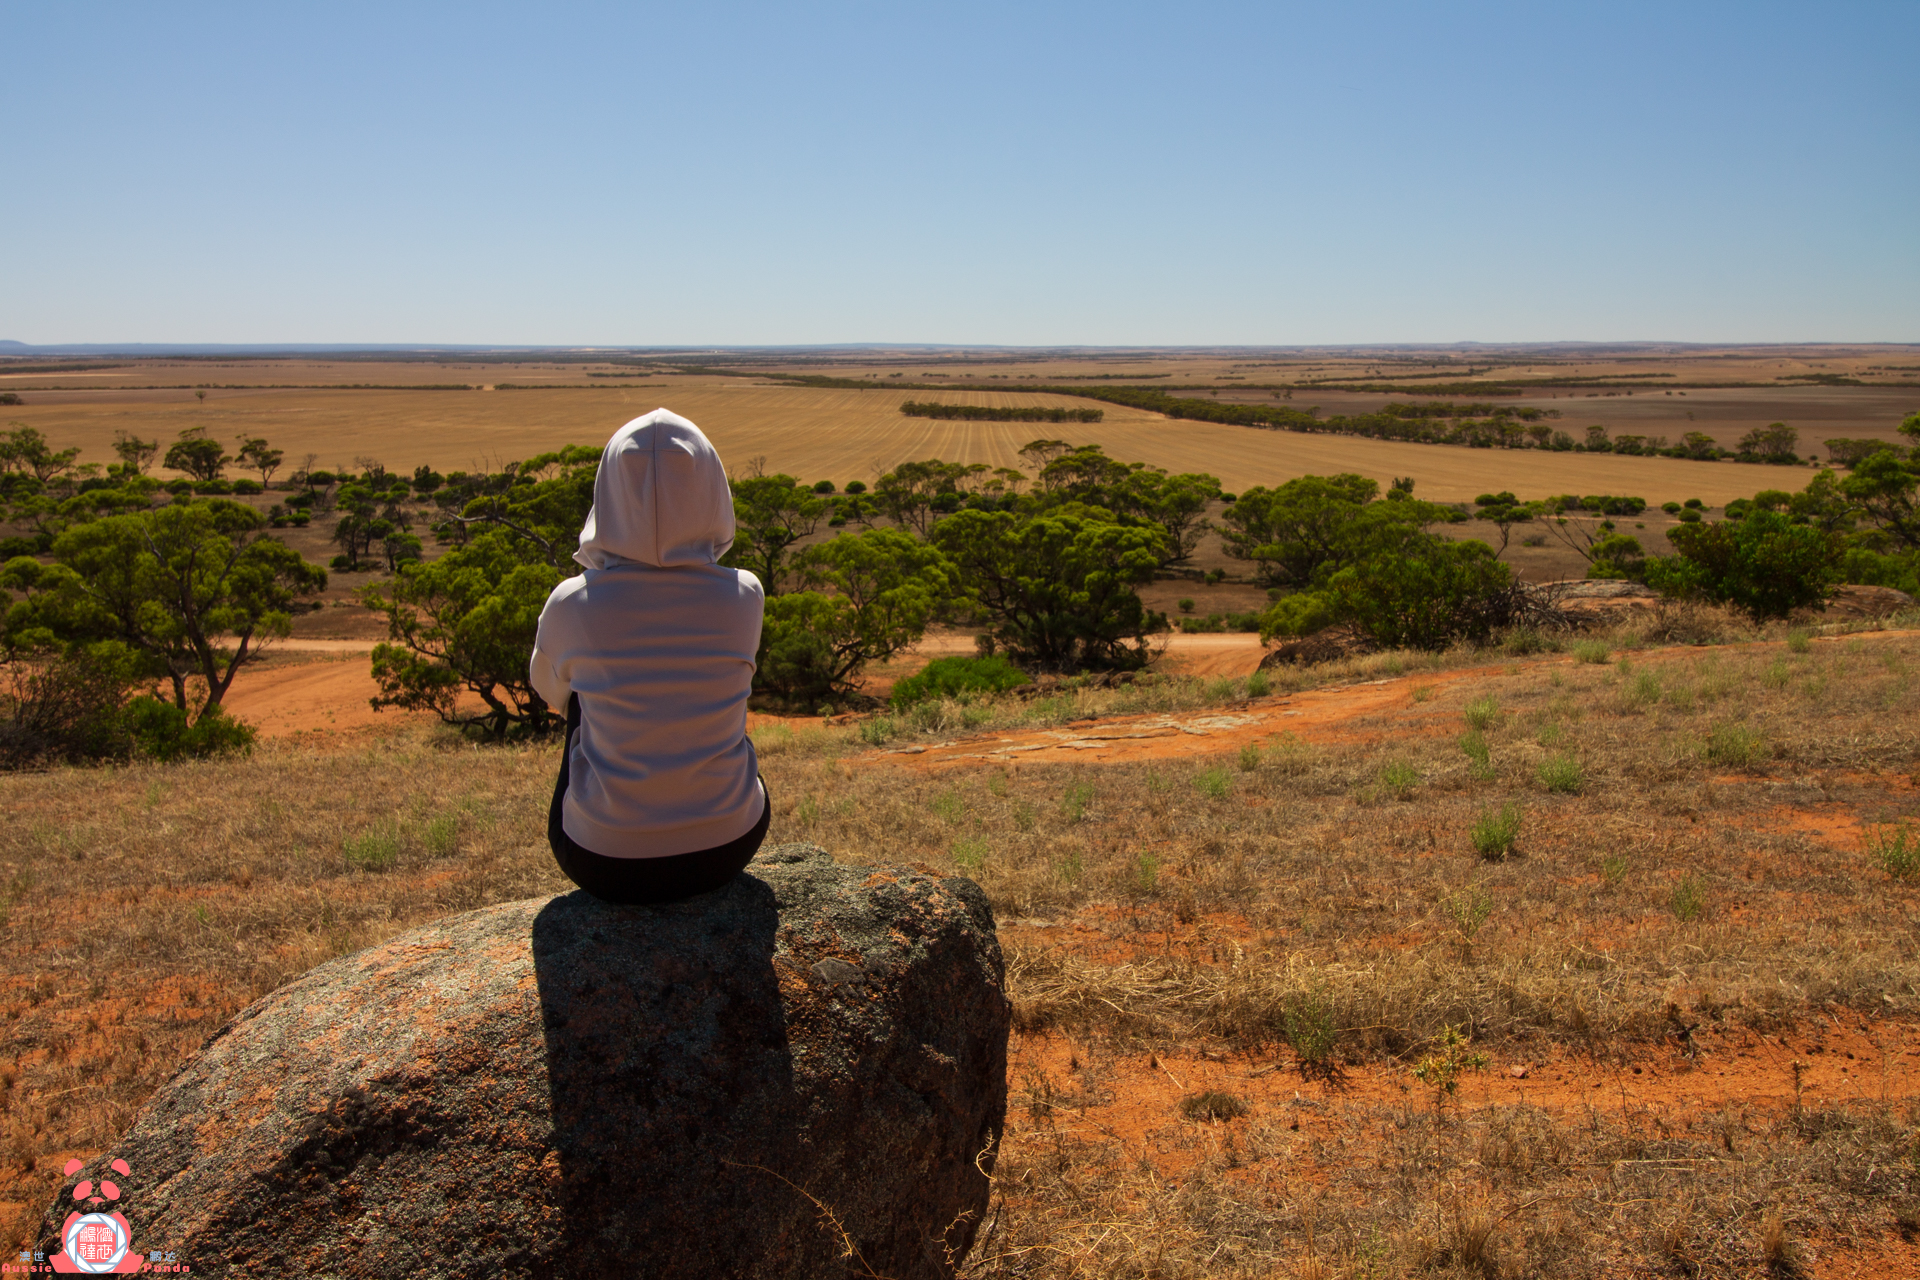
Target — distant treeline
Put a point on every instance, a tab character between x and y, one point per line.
981	413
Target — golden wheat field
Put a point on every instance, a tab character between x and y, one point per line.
837	435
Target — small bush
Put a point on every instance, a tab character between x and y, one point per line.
1479	758
877	731
1310	1033
1594	651
969	854
1250	757
1896	851
1259	684
442	836
1185	603
1483	712
1560	773
1073	804
1734	745
373	850
1212	783
1146	872
160	731
1494	834
1688	900
959	678
1399	779
1212	1105
1799	640
1468	910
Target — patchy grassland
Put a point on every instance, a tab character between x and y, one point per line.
1321	926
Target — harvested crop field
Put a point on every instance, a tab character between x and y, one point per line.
838	435
1286	1004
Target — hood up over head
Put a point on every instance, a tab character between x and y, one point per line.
661	498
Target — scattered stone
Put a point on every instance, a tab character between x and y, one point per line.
801	1074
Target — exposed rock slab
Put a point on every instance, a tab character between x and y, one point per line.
801	1074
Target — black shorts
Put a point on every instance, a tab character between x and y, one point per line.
646	881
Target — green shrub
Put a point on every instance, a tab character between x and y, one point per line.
1185	604
1763	563
1560	773
1259	684
1468	910
1479	757
959	678
1593	651
1734	745
878	731
376	849
1074	801
442	836
1799	640
1688	899
1250	757
1494	834
1146	872
1307	1024
1895	850
969	854
1483	712
160	731
1211	783
1399	779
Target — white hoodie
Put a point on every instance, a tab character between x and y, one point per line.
659	642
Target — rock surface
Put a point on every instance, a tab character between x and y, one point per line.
801	1074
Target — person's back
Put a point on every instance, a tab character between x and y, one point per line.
651	650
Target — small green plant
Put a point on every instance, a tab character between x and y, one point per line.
442	836
1468	910
957	677
997	784
1023	816
1895	849
1479	757
1799	640
1398	779
1735	745
1421	692
1250	757
1072	867
947	806
1642	690
1441	1069
878	731
1308	1026
1483	712
969	853
1146	872
1560	773
376	849
1259	684
807	812
1212	1105
1211	783
1778	675
1494	834
1613	869
1688	899
1551	734
1185	603
1074	802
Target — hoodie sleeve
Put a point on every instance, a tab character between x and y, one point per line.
545	671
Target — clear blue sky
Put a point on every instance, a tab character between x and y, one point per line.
1028	173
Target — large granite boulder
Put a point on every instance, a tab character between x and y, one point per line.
802	1074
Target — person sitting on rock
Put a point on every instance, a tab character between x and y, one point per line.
651	651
